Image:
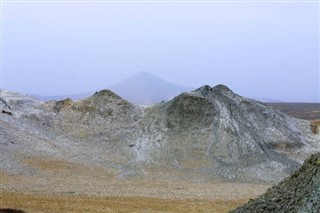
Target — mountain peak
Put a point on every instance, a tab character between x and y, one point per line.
146	88
144	73
222	87
106	93
144	78
206	89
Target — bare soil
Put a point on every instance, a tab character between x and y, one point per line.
80	203
306	111
68	187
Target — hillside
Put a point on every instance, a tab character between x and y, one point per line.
211	132
217	132
298	193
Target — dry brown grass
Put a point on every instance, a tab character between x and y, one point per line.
315	122
66	168
315	126
78	203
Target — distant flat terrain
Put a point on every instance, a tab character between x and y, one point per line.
307	111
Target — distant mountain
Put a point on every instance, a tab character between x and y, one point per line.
145	88
142	88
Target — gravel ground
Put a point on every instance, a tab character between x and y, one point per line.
67	187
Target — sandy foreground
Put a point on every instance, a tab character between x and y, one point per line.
65	203
65	187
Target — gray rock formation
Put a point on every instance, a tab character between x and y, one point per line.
4	107
298	193
210	131
215	131
103	113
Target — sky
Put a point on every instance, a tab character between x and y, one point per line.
258	49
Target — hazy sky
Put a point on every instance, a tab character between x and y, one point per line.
268	50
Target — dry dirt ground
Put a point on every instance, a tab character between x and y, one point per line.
69	203
67	187
307	111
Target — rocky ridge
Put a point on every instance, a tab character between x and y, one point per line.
210	131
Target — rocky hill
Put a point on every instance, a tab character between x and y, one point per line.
103	113
298	193
215	131
210	131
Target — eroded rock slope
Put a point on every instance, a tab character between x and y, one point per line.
298	193
215	131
